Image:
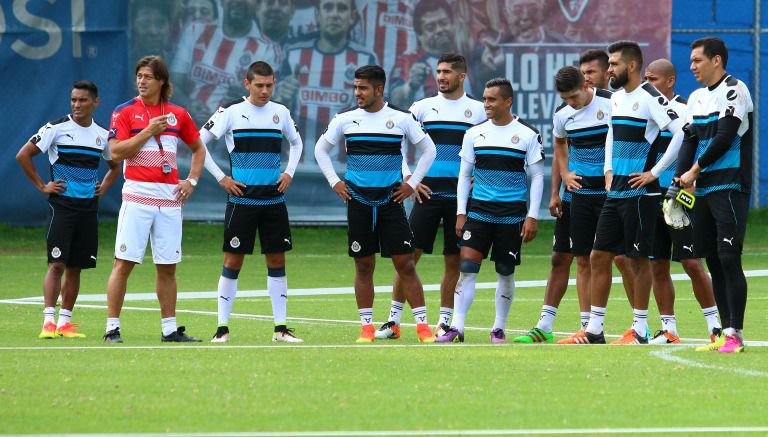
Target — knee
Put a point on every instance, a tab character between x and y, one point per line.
730	261
583	263
364	268
561	260
599	259
56	268
692	267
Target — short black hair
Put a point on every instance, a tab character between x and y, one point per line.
259	68
628	49
504	86
425	6
594	55
373	74
568	79
457	61
88	86
712	46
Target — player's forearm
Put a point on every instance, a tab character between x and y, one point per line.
686	156
212	167
24	158
323	159
122	149
673	150
198	159
428	154
110	177
559	160
608	166
462	189
536	172
294	154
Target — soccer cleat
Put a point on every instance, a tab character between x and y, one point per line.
424	333
451	335
664	337
178	336
389	330
578	337
733	345
594	338
68	331
367	334
441	329
715	334
283	334
714	346
631	337
535	335
498	336
113	336
49	330
221	335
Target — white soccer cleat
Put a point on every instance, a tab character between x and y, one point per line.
285	335
389	330
221	335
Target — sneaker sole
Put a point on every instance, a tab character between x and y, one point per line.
223	339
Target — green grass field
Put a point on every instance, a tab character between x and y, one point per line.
329	385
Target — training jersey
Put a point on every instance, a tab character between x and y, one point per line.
500	155
326	81
375	148
446	121
74	153
636	120
708	105
662	142
386	28
254	136
586	129
145	180
214	63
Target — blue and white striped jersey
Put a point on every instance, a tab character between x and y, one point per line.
662	142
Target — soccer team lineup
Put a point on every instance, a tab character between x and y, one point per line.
642	179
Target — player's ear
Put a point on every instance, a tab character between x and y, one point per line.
245	83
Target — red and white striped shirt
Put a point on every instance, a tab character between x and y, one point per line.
214	62
145	181
326	83
386	28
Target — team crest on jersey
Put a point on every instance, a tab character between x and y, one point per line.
467	235
600	115
123	247
349	73
98	141
635	106
172	121
390	124
355	247
468	113
515	139
275	119
234	242
573	9
55	252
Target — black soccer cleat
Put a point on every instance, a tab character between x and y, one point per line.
179	336
113	336
221	335
595	338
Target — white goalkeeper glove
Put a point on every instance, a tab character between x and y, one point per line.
674	214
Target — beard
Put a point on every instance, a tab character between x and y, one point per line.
619	81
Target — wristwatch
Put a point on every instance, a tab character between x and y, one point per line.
192	181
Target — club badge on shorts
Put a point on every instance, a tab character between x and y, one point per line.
55	252
467	235
123	247
234	242
355	247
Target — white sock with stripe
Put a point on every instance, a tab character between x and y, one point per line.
547	318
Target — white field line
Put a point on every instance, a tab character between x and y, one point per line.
338	290
441	432
666	354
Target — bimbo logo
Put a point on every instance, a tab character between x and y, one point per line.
324	96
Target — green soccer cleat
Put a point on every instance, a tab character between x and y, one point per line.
535	335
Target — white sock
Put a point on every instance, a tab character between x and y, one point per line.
505	293
669	324
395	312
227	293
169	325
420	315
547	318
465	294
366	316
277	285
445	316
584	316
49	315
710	314
640	321
596	320
65	316
112	323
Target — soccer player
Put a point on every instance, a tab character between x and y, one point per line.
74	144
254	128
145	134
580	128
628	218
676	244
445	117
497	153
374	133
717	156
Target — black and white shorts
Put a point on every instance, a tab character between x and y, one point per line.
73	237
241	222
384	228
627	226
425	221
502	240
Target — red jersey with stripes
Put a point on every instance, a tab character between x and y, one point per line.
146	179
326	81
386	28
215	62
